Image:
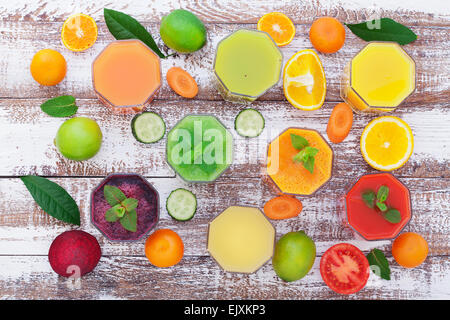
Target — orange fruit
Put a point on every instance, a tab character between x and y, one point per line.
79	32
278	26
164	248
304	81
48	67
327	35
410	249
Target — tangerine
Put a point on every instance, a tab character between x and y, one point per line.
410	249
48	67
327	35
164	248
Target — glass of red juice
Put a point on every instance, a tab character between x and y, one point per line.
133	186
370	223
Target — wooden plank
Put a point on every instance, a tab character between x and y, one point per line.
26	38
432	12
27	133
31	277
323	218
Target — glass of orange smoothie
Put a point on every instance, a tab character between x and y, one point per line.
292	176
126	76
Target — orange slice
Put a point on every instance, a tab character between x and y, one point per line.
304	81
387	143
278	26
79	32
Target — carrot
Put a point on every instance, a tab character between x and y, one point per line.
283	207
181	82
340	123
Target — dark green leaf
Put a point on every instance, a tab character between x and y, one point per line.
379	264
53	199
130	204
382	206
369	198
383	193
122	27
113	195
63	106
384	29
129	221
111	215
393	215
298	142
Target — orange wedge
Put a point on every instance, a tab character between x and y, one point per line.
304	81
79	32
278	26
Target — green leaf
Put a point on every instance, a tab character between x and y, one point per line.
122	27
129	221
379	264
63	106
309	164
383	29
383	193
113	195
393	215
53	199
307	157
382	206
369	198
130	204
111	215
298	142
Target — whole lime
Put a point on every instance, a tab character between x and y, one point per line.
294	256
183	31
79	138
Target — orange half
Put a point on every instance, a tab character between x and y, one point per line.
79	32
278	26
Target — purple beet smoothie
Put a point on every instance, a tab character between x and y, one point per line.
133	186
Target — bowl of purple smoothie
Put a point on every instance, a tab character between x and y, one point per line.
133	186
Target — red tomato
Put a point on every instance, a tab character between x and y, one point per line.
344	268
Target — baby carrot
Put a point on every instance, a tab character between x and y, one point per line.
182	82
340	123
283	207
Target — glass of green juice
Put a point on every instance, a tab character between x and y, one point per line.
199	148
246	65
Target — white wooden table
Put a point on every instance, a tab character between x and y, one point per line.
26	136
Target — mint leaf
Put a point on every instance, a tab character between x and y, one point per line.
113	195
111	215
129	221
63	106
393	215
379	264
53	199
381	206
122	26
309	164
307	157
384	29
369	198
383	193
129	204
298	142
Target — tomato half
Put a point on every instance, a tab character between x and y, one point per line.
344	268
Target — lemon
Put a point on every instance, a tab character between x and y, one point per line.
304	82
387	143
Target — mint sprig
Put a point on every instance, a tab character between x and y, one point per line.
390	214
306	155
379	264
122	209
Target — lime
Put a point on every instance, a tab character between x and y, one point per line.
79	138
294	256
183	31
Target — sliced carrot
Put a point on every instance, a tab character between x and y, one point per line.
340	123
283	207
182	82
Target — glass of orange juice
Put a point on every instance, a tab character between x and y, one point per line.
379	78
126	75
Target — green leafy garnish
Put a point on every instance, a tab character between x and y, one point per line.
369	198
383	193
122	208
390	214
393	215
60	107
298	142
53	199
384	29
122	27
382	206
379	264
306	156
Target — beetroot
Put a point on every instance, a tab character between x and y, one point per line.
72	251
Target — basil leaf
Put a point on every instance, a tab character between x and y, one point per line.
111	215
393	215
113	195
369	198
383	193
381	206
384	29
122	27
63	106
379	264
53	199
129	221
130	204
298	142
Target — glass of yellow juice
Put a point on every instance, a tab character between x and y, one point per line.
379	78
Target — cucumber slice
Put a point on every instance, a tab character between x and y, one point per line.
249	123
181	204
148	127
